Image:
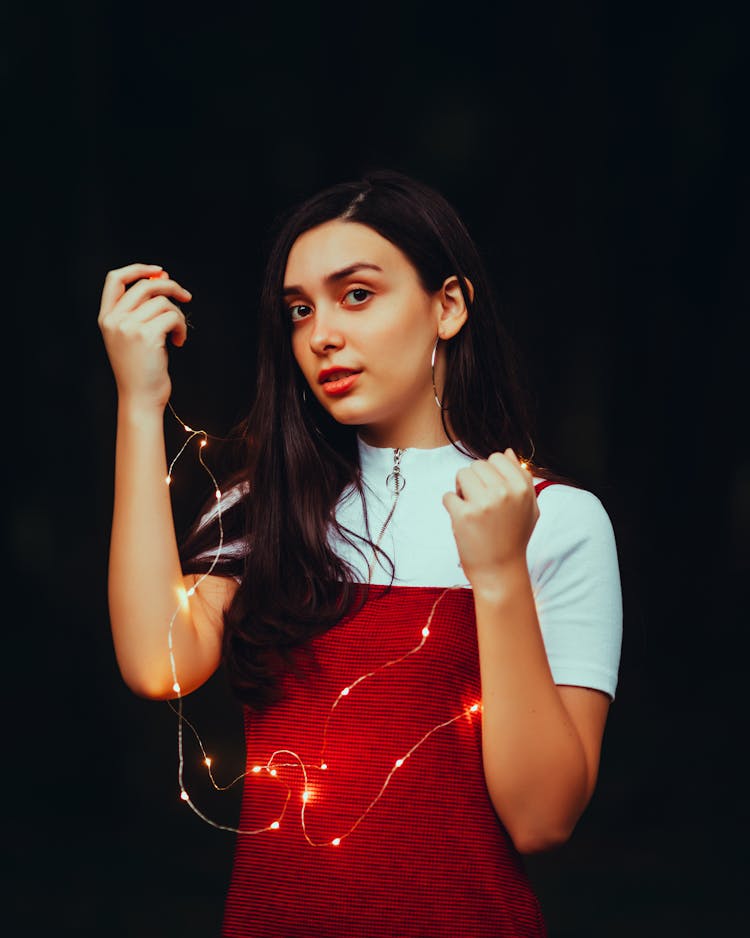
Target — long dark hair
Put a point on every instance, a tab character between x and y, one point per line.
297	460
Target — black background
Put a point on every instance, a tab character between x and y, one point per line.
599	156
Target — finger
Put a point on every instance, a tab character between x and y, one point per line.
509	468
153	287
171	323
152	308
491	473
453	504
470	486
115	281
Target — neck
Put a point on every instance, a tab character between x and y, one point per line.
419	436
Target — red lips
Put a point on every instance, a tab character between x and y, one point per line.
336	382
331	374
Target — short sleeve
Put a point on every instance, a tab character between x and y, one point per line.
574	571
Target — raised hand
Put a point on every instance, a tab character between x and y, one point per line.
493	512
135	323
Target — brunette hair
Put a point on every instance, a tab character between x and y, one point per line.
297	460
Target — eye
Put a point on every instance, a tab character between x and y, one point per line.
359	295
299	312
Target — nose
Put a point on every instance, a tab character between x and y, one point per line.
326	333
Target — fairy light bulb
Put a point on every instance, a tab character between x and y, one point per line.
184	795
336	841
275	826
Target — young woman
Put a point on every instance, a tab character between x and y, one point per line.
423	625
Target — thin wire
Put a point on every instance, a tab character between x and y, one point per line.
270	768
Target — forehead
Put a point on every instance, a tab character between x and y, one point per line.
336	245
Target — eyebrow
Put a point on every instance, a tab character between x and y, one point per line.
335	276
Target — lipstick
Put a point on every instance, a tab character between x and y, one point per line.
341	386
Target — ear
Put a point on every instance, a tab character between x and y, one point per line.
453	311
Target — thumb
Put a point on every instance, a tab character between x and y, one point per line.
452	504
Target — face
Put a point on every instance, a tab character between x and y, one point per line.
363	330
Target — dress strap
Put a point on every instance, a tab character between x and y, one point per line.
543	485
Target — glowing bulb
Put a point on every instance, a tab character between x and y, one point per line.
324	765
474	708
336	841
524	465
344	692
218	495
176	687
275	826
203	443
256	769
189	429
273	771
207	760
305	796
184	795
399	763
191	591
425	631
168	480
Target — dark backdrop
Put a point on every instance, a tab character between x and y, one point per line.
599	157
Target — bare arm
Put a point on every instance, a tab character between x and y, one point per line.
146	587
540	742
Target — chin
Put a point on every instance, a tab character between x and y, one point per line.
349	413
347	418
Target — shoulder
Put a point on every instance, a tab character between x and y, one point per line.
572	523
576	509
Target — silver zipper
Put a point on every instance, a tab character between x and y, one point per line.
396	483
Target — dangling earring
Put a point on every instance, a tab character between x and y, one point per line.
315	427
432	365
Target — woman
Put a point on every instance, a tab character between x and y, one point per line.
424	628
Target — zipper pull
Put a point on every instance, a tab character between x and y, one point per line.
395	480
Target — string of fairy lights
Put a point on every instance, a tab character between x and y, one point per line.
283	758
